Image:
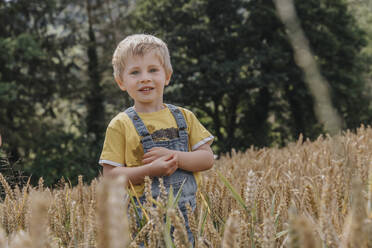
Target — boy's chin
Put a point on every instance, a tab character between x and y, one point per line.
149	103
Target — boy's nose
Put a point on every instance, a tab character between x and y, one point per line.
145	78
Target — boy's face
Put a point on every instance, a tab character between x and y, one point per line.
144	79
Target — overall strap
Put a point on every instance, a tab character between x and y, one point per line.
146	140
181	122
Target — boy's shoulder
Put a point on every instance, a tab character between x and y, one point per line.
188	114
185	111
119	121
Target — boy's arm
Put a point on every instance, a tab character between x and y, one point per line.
135	174
163	166
198	160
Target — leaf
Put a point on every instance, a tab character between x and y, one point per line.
233	191
139	202
178	194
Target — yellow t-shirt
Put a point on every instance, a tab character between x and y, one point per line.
122	146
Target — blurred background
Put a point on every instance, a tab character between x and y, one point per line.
233	64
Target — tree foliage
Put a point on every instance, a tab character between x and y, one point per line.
34	74
51	83
234	66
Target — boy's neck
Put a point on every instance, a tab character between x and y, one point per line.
140	108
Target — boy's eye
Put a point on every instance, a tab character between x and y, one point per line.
134	72
153	70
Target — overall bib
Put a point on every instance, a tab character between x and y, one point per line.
181	143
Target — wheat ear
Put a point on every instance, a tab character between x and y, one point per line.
357	235
3	238
180	235
112	220
21	240
269	232
142	235
39	232
231	231
7	188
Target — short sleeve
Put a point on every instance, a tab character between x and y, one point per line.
113	148
198	134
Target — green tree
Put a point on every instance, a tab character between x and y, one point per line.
37	79
362	12
56	84
234	65
33	73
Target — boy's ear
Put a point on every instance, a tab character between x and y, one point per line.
167	79
120	84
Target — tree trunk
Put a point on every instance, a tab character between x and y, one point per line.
94	99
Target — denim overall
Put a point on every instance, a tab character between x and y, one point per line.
179	176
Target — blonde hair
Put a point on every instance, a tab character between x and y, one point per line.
139	45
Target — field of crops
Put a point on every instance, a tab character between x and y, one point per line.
308	194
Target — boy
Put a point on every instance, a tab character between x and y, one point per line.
152	138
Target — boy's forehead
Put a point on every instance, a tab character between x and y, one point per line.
132	57
143	51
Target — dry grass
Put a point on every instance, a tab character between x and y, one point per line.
308	194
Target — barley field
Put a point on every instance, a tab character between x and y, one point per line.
307	194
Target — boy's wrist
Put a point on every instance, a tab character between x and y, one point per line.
178	154
148	169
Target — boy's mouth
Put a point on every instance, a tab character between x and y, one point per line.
147	88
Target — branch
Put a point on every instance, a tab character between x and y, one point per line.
318	86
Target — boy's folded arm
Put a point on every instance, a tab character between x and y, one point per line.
135	174
198	160
163	166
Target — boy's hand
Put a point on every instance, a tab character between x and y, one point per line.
155	153
163	166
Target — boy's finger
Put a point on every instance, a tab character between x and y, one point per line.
151	152
172	171
151	156
174	157
147	160
168	157
147	154
171	167
173	161
154	149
